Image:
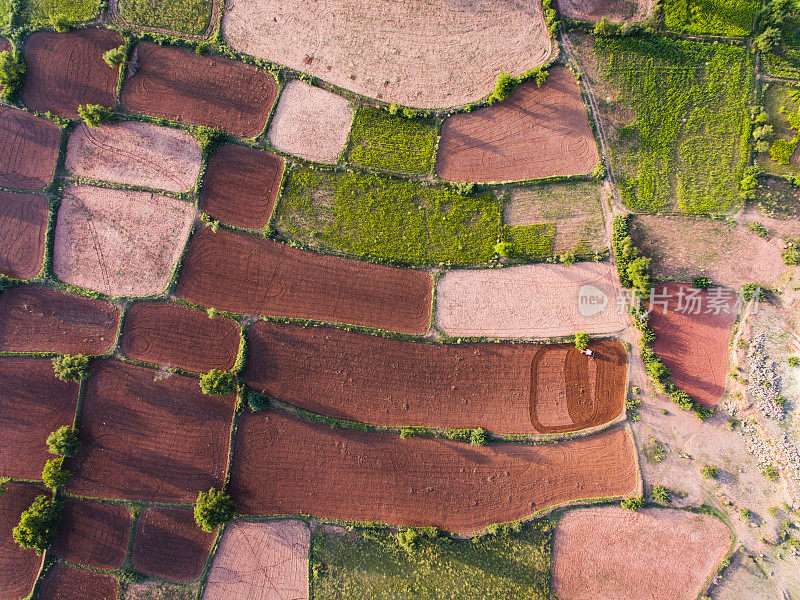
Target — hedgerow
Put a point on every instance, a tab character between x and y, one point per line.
12	75
38	524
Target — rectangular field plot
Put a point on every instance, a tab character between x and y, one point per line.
381	381
28	149
23	227
716	17
251	275
93	534
40	12
285	465
63	581
148	435
782	104
187	16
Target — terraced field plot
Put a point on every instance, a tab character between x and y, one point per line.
93	534
28	149
782	104
180	16
23	226
18	567
62	582
720	17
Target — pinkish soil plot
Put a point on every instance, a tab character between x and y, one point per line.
614	10
28	149
23	227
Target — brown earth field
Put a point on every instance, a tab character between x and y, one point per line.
534	133
28	149
135	153
199	90
35	318
287	465
23	226
381	381
18	567
93	534
169	544
173	335
614	10
68	583
261	561
149	435
66	70
610	553
32	404
251	275
241	185
695	346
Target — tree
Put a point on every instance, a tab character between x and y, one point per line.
408	538
54	474
64	441
12	74
638	273
71	367
502	88
114	57
768	40
94	115
582	341
478	437
37	525
218	383
633	503
212	509
605	29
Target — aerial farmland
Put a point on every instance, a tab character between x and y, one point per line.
436	299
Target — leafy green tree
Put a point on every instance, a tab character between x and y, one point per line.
479	437
770	38
503	86
603	28
633	503
639	275
12	74
218	383
71	367
581	340
212	509
114	57
54	474
94	115
64	441
408	539
37	525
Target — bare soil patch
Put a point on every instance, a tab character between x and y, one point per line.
35	318
427	54
529	301
135	153
28	149
695	346
147	436
173	335
681	249
119	242
199	90
534	133
66	70
614	10
251	275
389	382
18	567
617	554
261	561
93	534
169	544
68	583
23	225
33	403
241	185
311	122
285	465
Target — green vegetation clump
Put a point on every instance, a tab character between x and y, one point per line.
581	341
212	509
38	524
372	565
71	367
689	141
662	494
377	217
783	57
479	437
709	472
54	475
715	17
64	441
793	361
218	383
114	57
701	283
758	229
633	503
380	140
94	115
771	472
531	242
60	14
12	74
188	16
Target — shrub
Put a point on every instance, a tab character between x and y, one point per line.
459	435
478	437
639	275
207	136
770	38
763	132
758	229
655	451
64	441
603	28
781	150
753	291
54	474
749	182
12	74
94	115
503	86
791	256
793	361
218	383
770	472
599	171
71	367
633	503
581	340
212	509
60	23
662	494
37	525
114	57
709	472
502	249
408	539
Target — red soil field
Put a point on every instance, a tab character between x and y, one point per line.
23	225
18	567
28	149
68	583
286	465
35	318
32	404
199	90
66	70
93	534
534	133
241	185
148	435
389	382
695	346
169	544
251	275
173	335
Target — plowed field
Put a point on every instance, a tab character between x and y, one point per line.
285	465
40	319
23	224
67	583
252	275
28	149
18	567
93	534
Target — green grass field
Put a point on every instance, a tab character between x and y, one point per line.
533	242
687	145
370	216
42	12
391	142
781	102
372	566
713	17
188	16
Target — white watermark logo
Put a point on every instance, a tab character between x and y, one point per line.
591	300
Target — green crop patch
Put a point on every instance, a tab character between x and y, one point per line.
712	17
781	156
687	144
59	13
371	565
534	242
377	217
380	140
188	16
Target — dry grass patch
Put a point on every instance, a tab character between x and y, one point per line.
613	10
